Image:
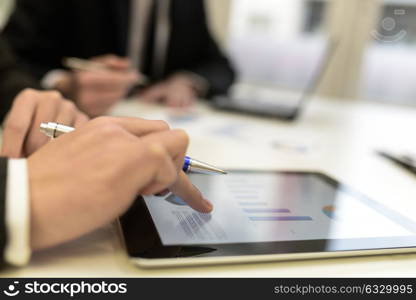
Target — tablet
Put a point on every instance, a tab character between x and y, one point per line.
263	216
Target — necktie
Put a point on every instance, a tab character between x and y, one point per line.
162	33
139	15
139	19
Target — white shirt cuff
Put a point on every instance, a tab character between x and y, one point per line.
17	251
51	79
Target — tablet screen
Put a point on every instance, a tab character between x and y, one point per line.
269	207
260	213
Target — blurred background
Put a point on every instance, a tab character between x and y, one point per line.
277	42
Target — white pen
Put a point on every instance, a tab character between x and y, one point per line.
93	66
54	130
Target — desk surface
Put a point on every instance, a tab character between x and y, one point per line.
336	137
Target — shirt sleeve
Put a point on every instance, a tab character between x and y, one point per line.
17	213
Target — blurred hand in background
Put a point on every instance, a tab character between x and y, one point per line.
176	91
97	91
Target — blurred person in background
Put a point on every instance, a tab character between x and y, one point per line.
12	80
166	41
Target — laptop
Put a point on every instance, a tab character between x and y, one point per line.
269	101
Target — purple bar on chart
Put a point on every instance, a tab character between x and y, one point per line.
282	218
265	210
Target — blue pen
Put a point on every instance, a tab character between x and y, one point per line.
53	130
193	165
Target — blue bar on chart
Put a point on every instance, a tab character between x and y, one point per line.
282	218
265	210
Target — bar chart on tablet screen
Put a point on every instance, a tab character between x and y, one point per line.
248	195
267	207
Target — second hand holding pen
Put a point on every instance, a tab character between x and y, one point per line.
54	130
93	66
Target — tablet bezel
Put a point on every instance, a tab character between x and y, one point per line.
150	252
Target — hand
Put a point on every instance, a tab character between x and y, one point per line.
87	178
21	135
97	91
177	91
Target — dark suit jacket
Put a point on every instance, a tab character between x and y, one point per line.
3	233
42	32
12	80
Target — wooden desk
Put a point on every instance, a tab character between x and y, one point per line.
336	137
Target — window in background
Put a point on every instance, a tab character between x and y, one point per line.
276	42
314	16
5	10
389	69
